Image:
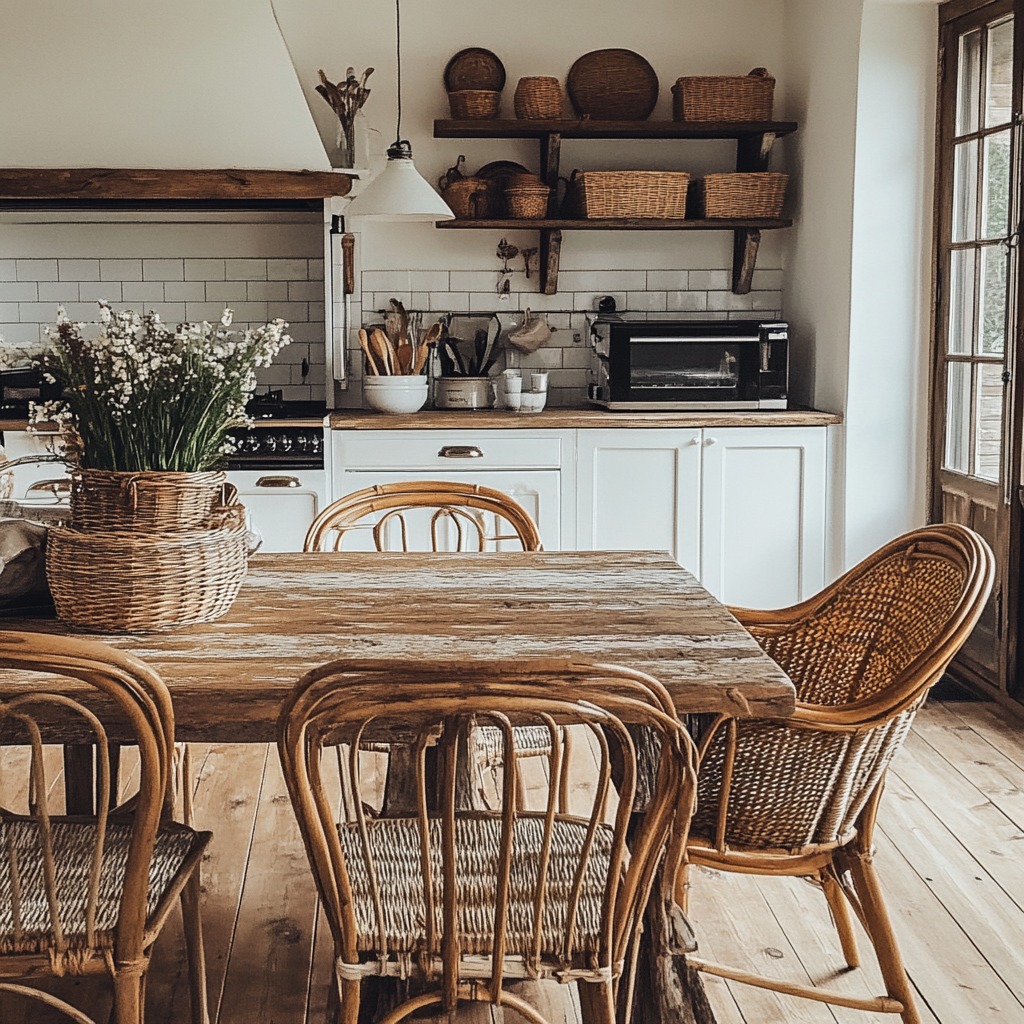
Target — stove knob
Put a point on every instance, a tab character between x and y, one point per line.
269	443
302	443
317	444
284	443
251	444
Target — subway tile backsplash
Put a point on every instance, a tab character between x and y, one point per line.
669	294
178	289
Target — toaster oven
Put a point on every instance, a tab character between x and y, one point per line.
678	365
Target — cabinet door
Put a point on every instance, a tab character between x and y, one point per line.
640	489
19	444
536	490
763	524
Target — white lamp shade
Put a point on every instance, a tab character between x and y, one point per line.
399	192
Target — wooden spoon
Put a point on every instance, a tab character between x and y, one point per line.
364	344
382	349
431	338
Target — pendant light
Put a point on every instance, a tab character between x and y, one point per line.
399	192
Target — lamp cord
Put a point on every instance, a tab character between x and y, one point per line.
398	62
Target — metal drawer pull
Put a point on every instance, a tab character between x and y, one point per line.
460	451
58	488
278	481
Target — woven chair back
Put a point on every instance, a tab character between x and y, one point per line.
862	655
424	515
467	895
94	873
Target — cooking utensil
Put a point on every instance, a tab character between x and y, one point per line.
429	340
613	85
474	68
364	344
383	349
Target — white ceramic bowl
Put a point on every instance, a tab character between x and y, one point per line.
396	395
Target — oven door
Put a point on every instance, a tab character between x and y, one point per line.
671	371
281	504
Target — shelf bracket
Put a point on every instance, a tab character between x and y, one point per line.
550	252
744	256
753	152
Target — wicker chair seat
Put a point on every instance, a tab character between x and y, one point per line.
819	783
74	843
395	844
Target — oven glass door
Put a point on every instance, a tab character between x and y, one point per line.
681	368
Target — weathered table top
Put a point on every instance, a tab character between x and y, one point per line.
298	611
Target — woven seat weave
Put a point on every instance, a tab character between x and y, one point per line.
395	845
74	843
529	741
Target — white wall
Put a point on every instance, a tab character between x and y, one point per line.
887	400
145	83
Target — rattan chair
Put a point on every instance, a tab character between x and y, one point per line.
89	894
799	796
454	516
462	899
440	515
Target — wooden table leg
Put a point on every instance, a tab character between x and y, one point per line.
81	783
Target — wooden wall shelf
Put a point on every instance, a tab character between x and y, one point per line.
95	183
754	141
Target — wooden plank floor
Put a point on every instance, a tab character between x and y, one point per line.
950	852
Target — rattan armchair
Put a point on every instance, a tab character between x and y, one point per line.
799	796
90	894
438	515
462	899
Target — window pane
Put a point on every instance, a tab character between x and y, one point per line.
965	192
989	429
968	82
961	331
996	199
958	417
993	300
999	84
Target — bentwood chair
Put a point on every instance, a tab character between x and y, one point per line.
437	515
462	899
799	796
89	894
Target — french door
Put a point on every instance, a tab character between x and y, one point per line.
975	397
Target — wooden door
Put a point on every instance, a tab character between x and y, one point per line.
974	441
640	489
763	508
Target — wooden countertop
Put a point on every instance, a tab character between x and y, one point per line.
497	419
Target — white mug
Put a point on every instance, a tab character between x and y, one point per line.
539	381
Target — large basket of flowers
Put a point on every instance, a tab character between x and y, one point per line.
153	541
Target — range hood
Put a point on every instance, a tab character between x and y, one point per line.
146	84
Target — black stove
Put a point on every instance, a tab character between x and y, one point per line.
272	443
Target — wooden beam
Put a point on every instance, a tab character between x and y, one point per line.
744	256
117	183
550	254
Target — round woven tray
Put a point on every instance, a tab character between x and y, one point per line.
613	85
150	502
138	583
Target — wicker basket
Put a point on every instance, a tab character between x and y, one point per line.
538	98
724	97
659	195
743	194
472	198
138	582
527	201
151	502
474	103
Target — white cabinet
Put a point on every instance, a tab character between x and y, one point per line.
18	444
743	508
640	489
763	514
281	506
530	466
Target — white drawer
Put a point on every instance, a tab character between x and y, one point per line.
466	451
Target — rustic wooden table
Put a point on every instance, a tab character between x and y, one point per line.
297	611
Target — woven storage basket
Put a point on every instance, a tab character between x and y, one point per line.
743	194
151	502
655	194
474	103
538	98
527	201
724	97
472	198
139	582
